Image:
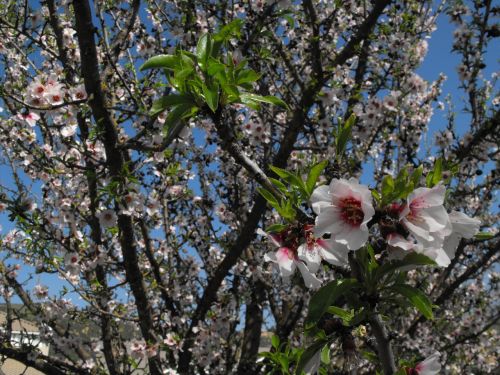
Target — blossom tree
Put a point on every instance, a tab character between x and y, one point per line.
180	178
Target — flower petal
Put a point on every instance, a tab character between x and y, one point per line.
321	198
417	230
285	261
464	225
328	221
450	244
310	255
396	240
424	197
336	254
430	366
310	280
354	238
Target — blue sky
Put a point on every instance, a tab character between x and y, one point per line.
439	60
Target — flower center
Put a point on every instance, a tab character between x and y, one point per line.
411	371
309	236
351	211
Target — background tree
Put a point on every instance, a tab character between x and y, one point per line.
133	196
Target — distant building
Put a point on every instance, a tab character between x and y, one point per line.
23	332
265	341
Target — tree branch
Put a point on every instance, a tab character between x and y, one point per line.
384	348
247	233
115	163
450	289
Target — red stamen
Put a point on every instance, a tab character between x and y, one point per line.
351	211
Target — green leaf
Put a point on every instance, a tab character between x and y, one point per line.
203	51
376	195
326	296
216	48
290	20
325	355
286	210
308	354
215	67
284	362
161	61
211	96
276	228
400	184
280	185
179	112
183	74
292	179
232	29
264	99
483	235
283	173
168	101
387	189
233	95
268	355
344	133
314	174
187	59
372	262
275	341
437	174
412	260
428	179
416	297
268	196
345	315
255	105
247	76
416	175
370	356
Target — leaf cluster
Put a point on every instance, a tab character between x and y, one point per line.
294	190
207	79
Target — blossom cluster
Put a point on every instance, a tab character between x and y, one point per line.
345	214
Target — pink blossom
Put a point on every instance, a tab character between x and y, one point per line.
107	218
288	260
425	216
429	366
344	209
29	118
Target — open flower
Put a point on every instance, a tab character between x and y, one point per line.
443	252
29	118
429	366
107	218
288	259
430	229
72	263
78	93
316	249
425	216
344	209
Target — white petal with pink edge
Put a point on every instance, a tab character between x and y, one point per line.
430	366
